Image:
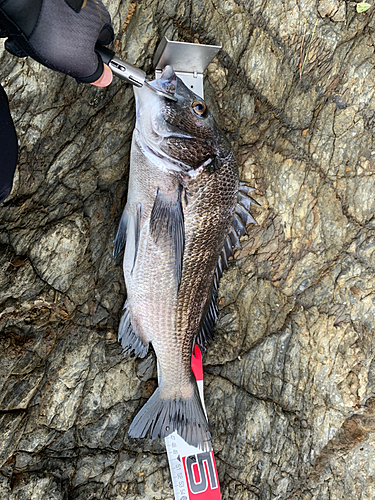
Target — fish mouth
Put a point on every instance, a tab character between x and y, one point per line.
165	85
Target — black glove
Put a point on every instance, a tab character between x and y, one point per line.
60	34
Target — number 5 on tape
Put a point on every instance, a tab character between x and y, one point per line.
201	474
194	473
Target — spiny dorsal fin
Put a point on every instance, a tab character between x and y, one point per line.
167	225
130	340
245	189
241	219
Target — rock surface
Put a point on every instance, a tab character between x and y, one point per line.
290	377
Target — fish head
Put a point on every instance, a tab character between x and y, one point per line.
182	131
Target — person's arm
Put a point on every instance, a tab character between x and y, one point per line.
60	34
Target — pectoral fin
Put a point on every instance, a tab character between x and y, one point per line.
167	225
133	230
120	240
137	232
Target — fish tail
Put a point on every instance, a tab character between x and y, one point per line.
160	417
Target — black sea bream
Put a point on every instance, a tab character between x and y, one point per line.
180	223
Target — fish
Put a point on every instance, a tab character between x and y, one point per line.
185	213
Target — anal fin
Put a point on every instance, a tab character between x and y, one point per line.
130	340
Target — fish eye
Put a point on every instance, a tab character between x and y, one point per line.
199	108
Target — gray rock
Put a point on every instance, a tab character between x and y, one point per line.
290	375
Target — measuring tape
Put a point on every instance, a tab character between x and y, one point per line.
194	473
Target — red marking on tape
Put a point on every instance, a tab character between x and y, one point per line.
196	363
201	476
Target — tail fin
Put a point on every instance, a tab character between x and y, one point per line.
163	416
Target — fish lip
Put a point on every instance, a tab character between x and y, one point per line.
167	83
160	92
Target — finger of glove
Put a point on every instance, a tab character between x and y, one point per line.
20	16
64	40
12	47
106	35
75	4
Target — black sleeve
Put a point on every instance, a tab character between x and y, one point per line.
8	147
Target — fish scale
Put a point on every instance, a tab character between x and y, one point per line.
204	236
183	188
146	297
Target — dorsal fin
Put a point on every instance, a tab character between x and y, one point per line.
241	219
209	318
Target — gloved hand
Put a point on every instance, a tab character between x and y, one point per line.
60	34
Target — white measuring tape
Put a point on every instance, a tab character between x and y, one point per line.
194	473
